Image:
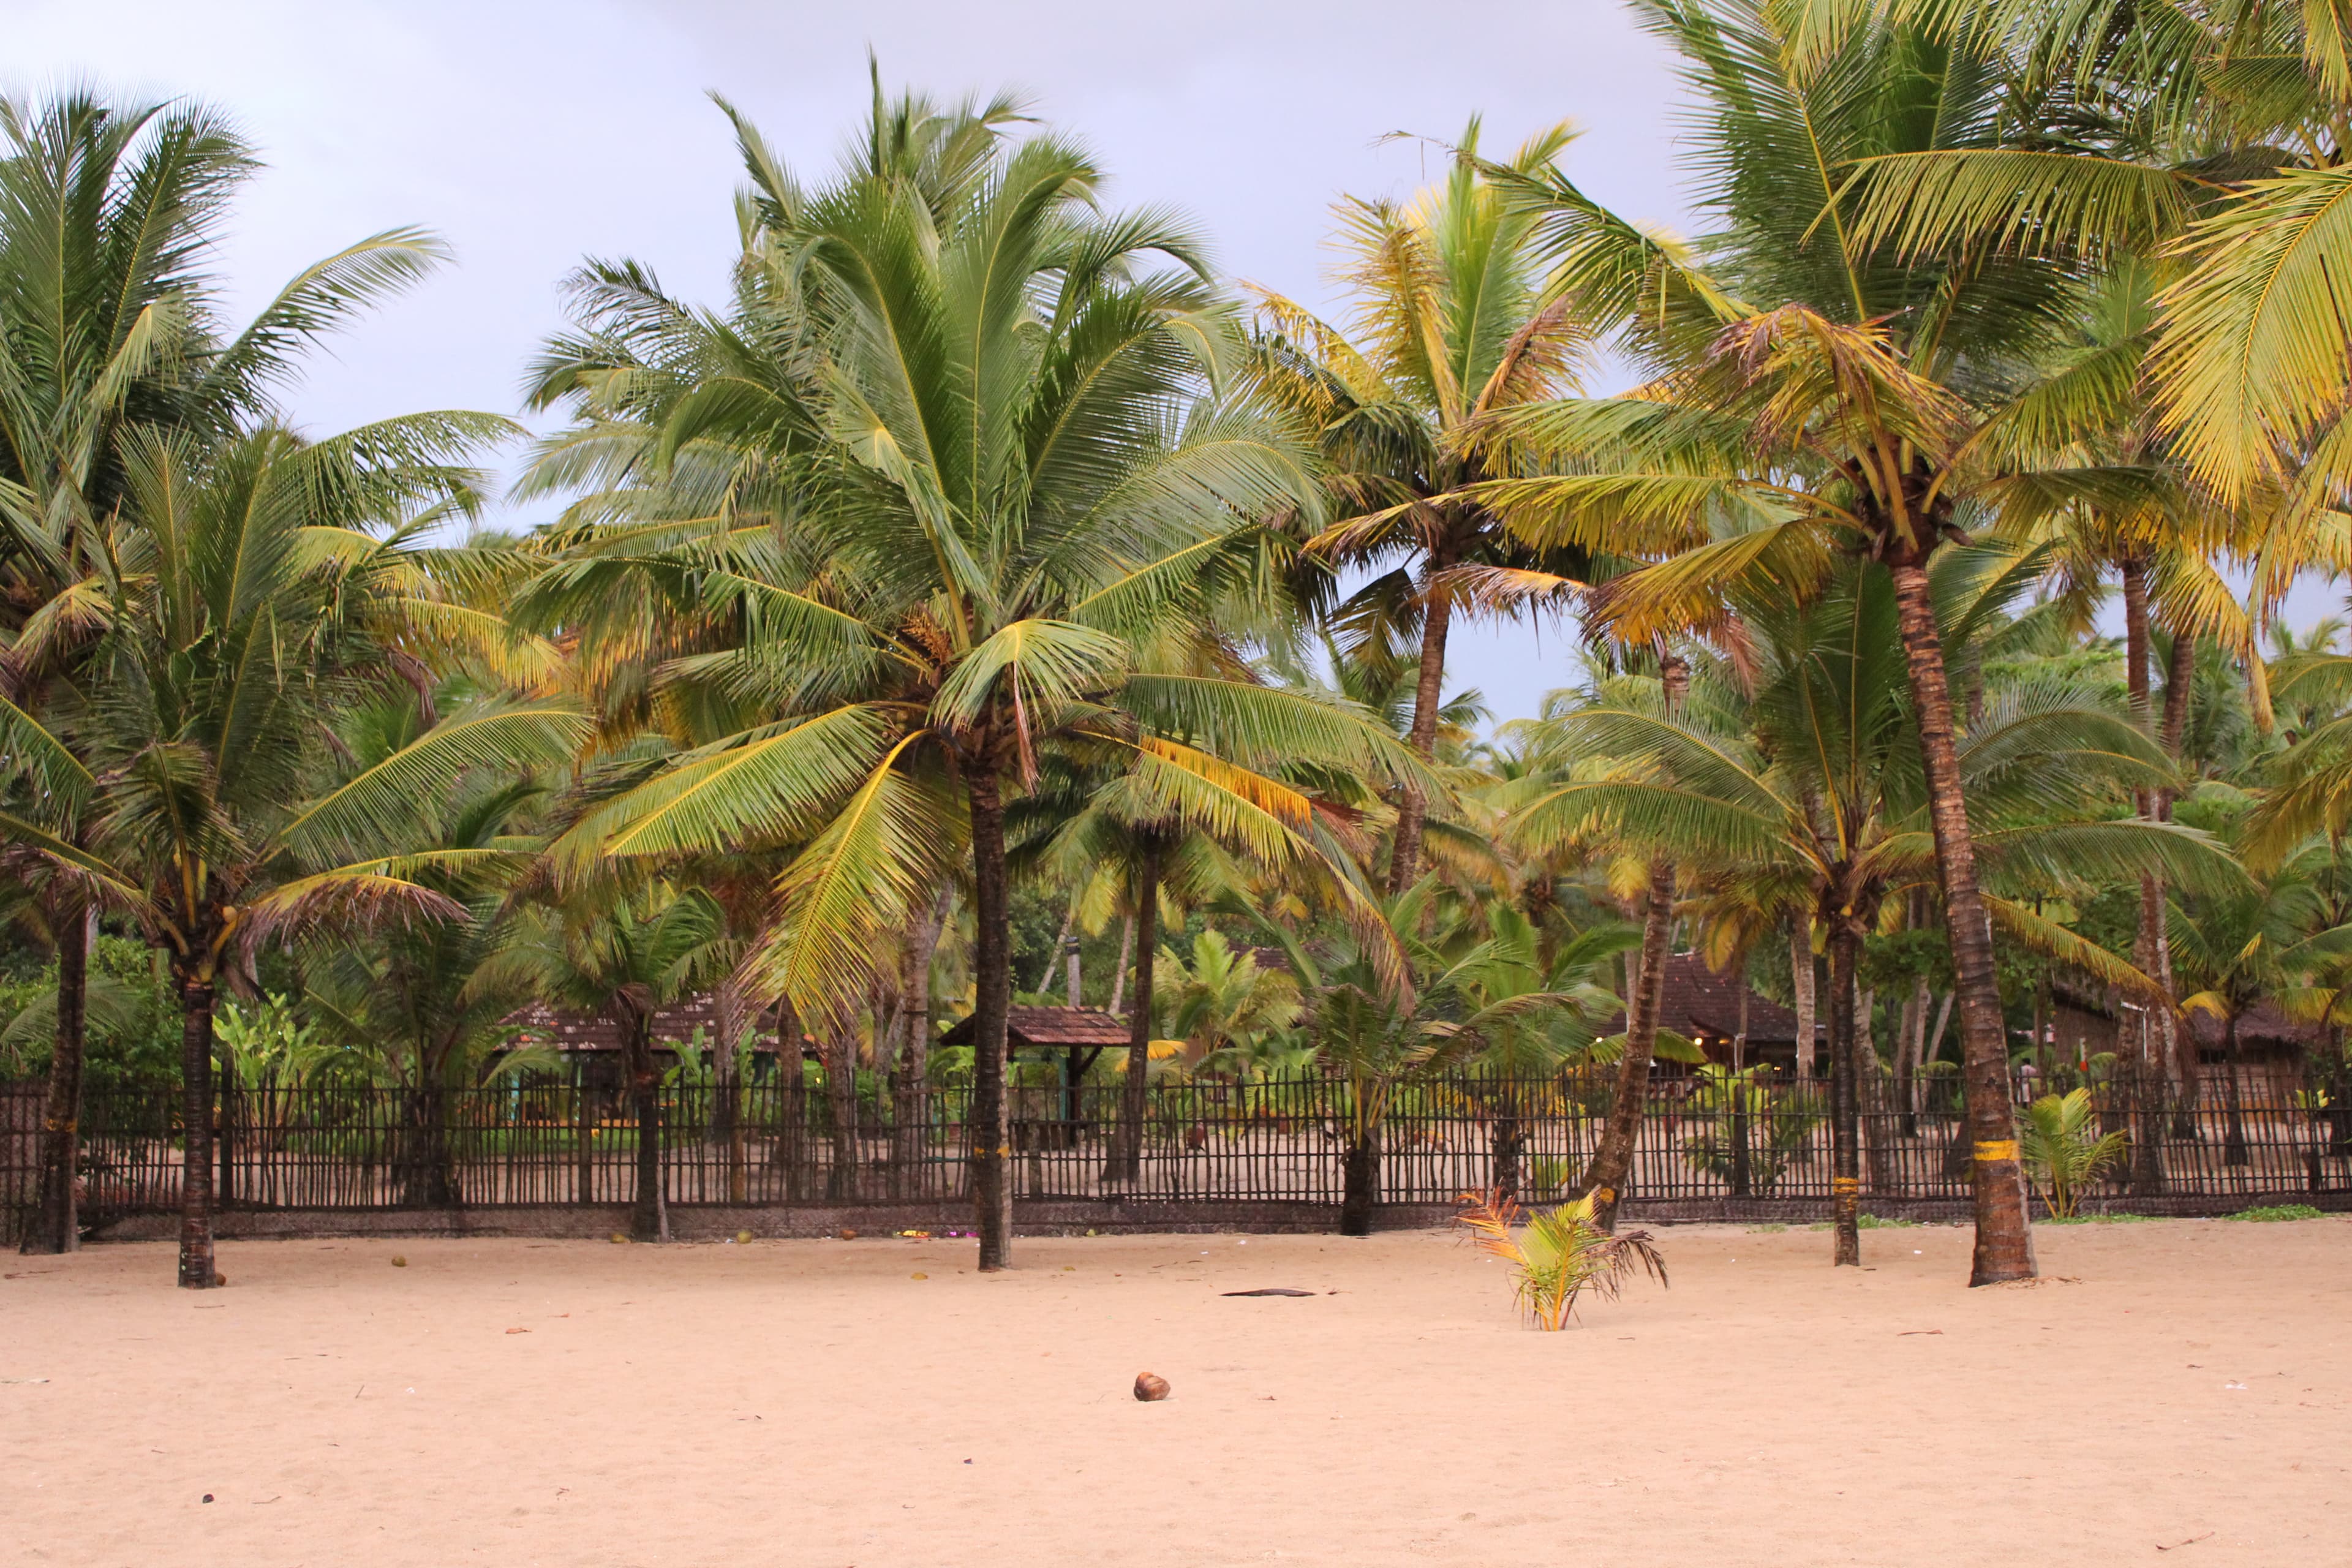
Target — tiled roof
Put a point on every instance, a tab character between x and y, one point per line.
1052	1027
1698	1001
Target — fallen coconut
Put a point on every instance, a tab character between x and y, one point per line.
1149	1388
742	1238
398	1261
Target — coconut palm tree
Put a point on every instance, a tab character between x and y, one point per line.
619	952
1447	329
238	627
1806	788
975	497
109	324
1523	1018
1818	389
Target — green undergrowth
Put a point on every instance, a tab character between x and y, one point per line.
2104	1219
1872	1222
2276	1212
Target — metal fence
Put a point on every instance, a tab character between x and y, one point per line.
557	1142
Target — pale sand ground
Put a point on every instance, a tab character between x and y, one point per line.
809	1403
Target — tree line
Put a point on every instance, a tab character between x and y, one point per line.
984	558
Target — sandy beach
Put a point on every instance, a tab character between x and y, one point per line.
2179	1384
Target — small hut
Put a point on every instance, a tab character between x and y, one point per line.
1081	1035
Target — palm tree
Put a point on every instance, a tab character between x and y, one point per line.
1806	789
110	326
1448	329
619	952
238	627
1523	1018
1818	389
975	497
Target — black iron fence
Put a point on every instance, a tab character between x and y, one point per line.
557	1142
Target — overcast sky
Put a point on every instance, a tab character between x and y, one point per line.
530	135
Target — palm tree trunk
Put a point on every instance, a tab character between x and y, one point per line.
1126	1162
1604	1178
1126	953
913	1131
989	1130
2180	1042
1801	975
197	1270
792	1067
2233	1142
59	1228
1845	1090
726	1083
2004	1238
840	1105
648	1214
1510	1138
1428	696
1359	1176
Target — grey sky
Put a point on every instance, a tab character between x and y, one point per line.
530	134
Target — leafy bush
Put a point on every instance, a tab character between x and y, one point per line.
2274	1212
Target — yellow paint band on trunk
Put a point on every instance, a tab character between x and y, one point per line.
1846	1183
1993	1153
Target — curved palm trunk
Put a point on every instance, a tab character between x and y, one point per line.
197	1270
2004	1240
1845	1095
1604	1177
59	1228
989	1130
1428	696
1126	1162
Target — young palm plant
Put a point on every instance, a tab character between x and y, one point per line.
2064	1150
1558	1256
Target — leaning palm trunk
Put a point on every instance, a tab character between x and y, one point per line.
1604	1177
197	1270
989	1130
2004	1238
59	1228
1845	1090
1126	1162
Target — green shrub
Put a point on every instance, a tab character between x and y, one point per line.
2273	1213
